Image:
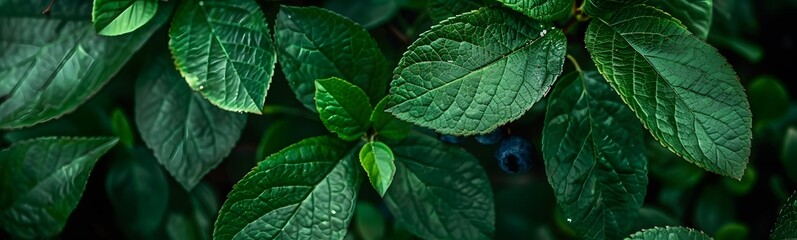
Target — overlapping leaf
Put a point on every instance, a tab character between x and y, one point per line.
680	233
117	17
343	107
439	10
696	15
786	225
543	10
386	125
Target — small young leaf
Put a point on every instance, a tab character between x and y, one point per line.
343	107
42	181
189	135
543	10
306	190
440	10
121	127
138	191
387	125
440	191
476	71
315	43
603	7
379	163
594	157
369	221
224	50
786	225
682	89
680	233
695	14
117	17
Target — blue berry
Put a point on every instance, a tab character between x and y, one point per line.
514	155
490	138
450	139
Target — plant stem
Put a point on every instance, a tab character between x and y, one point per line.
574	62
49	8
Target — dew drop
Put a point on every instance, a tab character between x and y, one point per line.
333	212
542	34
569	220
201	87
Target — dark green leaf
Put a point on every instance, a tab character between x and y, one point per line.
476	71
788	153
714	208
682	89
307	190
379	163
594	157
369	221
603	7
343	107
543	10
387	125
117	17
49	65
121	127
368	13
786	225
695	14
439	10
42	180
224	50
769	98
733	231
189	135
139	193
680	233
315	43
440	191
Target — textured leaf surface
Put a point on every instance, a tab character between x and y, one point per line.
42	180
602	7
679	233
49	65
387	125
188	134
343	107
117	17
786	225
440	191
224	50
594	157
439	10
379	163
476	71
695	14
315	43
305	191
543	10
682	89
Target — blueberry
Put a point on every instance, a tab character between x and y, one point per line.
450	139
490	138
514	155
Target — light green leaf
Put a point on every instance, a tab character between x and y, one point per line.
543	10
121	127
680	233
476	71
42	180
387	125
440	10
369	221
343	107
440	191
117	17
315	43
682	89
49	65
224	50
786	225
594	157
307	190
138	191
603	7
696	15
379	163
189	135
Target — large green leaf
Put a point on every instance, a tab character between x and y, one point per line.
42	180
138	191
439	10
603	7
343	107
379	163
387	125
786	225
695	14
543	10
117	17
307	190
224	50
476	71
189	135
682	89
594	157
440	191
680	233
315	43
51	65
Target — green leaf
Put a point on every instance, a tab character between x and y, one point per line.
49	65
379	163
786	225
343	107
138	191
188	134
194	222
713	210
543	10
224	50
476	71
387	125
603	7
440	191
369	221
733	231
117	17
594	157
121	127
42	180
440	10
695	14
769	98
315	43
368	13
682	89
307	190
680	233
